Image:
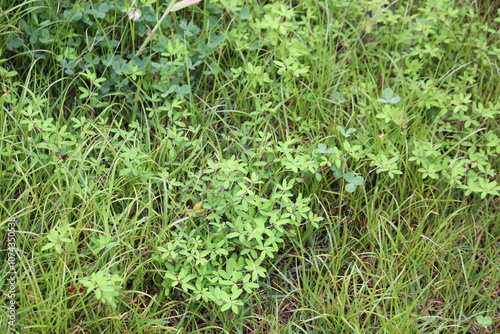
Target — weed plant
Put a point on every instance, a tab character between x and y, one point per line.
227	166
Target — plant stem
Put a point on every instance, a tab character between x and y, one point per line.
150	35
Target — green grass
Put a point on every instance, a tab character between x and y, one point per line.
102	167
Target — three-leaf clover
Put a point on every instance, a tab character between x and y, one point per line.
322	148
389	97
337	98
344	132
353	181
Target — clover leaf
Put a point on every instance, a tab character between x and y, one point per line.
344	132
484	321
337	98
353	181
389	97
322	148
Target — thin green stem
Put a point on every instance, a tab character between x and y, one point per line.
150	35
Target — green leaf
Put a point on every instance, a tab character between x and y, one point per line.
88	284
170	276
48	246
394	100
322	148
73	16
14	43
389	97
484	320
233	235
98	294
248	287
337	98
388	93
350	187
357	181
346	133
337	171
235	292
352	178
245	13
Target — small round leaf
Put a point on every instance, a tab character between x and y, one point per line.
350	187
